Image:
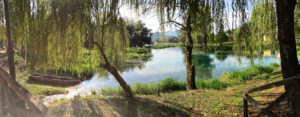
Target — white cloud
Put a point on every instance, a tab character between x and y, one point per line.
150	19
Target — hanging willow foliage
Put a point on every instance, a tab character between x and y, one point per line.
53	33
260	33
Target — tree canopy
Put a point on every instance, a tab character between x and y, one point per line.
139	34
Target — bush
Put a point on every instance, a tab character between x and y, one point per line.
259	69
109	91
146	89
249	73
138	52
273	65
171	84
212	84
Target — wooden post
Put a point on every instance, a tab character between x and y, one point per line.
245	107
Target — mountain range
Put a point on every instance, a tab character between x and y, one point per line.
167	34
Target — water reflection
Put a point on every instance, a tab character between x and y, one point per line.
203	65
169	62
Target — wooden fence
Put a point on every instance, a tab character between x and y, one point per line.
266	110
16	101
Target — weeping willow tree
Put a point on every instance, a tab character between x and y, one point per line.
203	26
10	51
285	10
180	13
54	35
186	14
259	33
297	23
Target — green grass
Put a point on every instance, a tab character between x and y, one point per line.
42	90
166	85
170	84
163	46
136	55
138	52
207	103
251	72
211	84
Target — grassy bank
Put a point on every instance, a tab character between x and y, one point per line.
175	101
138	52
166	85
164	46
170	84
39	90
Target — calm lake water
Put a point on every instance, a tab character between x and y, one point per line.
169	62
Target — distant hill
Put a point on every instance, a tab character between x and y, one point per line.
167	34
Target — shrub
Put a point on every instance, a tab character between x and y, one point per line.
109	91
259	69
273	65
146	89
249	73
212	84
171	84
240	75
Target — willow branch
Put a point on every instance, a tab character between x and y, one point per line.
174	22
102	53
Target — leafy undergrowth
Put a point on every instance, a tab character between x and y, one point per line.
202	102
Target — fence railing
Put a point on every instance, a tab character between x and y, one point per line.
266	110
17	101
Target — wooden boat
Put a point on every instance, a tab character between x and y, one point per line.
53	80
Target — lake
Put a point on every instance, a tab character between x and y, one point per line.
169	62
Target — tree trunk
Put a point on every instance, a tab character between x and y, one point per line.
10	51
288	53
128	94
190	68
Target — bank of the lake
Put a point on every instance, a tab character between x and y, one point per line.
169	62
164	63
200	102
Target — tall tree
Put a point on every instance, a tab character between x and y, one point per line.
10	51
139	35
55	32
183	14
288	54
285	19
185	11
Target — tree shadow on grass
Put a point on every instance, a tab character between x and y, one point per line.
116	107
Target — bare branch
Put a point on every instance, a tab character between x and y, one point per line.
174	22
